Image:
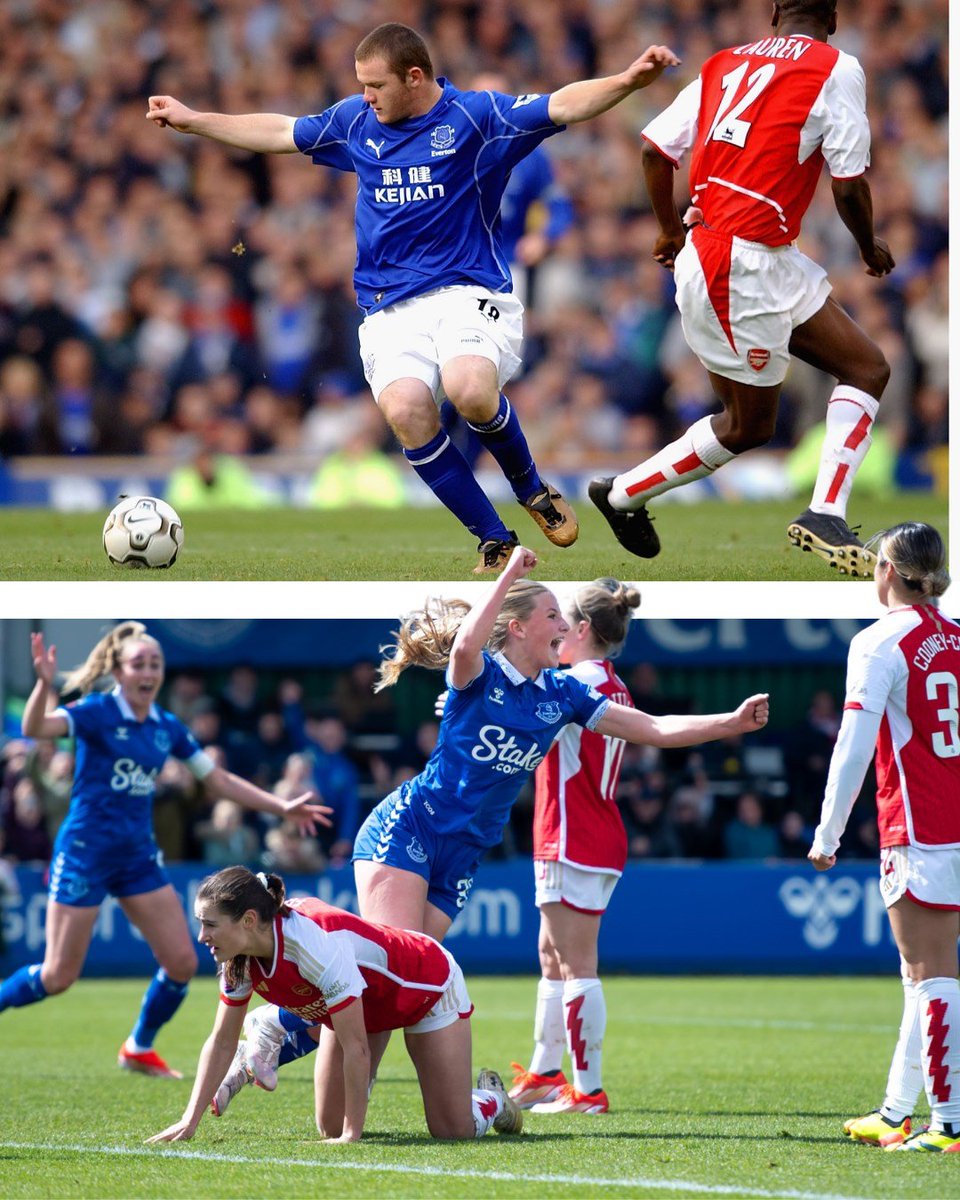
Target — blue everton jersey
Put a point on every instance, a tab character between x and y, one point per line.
118	759
494	734
428	188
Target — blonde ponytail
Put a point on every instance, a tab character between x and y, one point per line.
104	658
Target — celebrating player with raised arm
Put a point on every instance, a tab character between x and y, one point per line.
416	854
431	276
760	121
903	710
355	978
106	846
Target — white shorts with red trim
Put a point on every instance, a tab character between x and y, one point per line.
415	338
740	301
930	878
561	883
454	1004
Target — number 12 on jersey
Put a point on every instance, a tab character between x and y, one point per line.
729	125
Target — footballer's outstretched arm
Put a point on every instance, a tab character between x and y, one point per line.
855	205
265	133
215	1059
589	97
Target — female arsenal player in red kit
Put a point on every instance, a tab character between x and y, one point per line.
579	851
902	709
328	966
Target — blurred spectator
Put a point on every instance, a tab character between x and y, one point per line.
25	832
215	477
359	474
691	824
749	835
288	851
51	772
225	839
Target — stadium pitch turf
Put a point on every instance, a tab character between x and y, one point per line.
712	540
718	1087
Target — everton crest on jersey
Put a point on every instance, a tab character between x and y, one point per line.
428	188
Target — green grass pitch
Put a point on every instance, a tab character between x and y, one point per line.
712	540
719	1087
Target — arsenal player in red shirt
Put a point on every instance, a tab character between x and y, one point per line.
330	967
759	122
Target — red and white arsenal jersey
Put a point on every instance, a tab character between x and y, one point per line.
576	819
324	958
760	120
907	667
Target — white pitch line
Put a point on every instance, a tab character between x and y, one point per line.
659	1185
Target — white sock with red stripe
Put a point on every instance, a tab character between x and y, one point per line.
549	1038
850	417
939	1001
905	1080
585	1017
486	1108
692	456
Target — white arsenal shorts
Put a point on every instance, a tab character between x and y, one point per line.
740	301
560	883
415	338
929	877
454	1003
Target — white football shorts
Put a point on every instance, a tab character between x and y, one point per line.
930	878
740	301
454	1003
416	338
561	883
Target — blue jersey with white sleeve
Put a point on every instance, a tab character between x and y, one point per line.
429	187
118	759
495	732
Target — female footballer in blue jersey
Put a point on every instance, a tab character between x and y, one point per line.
106	844
431	275
416	854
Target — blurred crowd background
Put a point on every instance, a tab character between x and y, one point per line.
753	799
160	294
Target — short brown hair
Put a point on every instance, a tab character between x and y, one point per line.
399	46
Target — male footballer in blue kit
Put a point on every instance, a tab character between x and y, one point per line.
432	164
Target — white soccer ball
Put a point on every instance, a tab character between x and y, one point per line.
142	531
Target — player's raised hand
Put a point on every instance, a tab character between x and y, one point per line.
521	563
753	713
650	66
165	110
44	660
307	814
878	259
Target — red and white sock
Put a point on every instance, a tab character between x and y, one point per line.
549	1039
850	417
905	1080
585	1018
693	455
939	1001
486	1108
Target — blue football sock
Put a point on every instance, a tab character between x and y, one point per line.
291	1022
22	987
504	438
160	1001
297	1045
444	470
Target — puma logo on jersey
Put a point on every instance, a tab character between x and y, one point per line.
376	147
